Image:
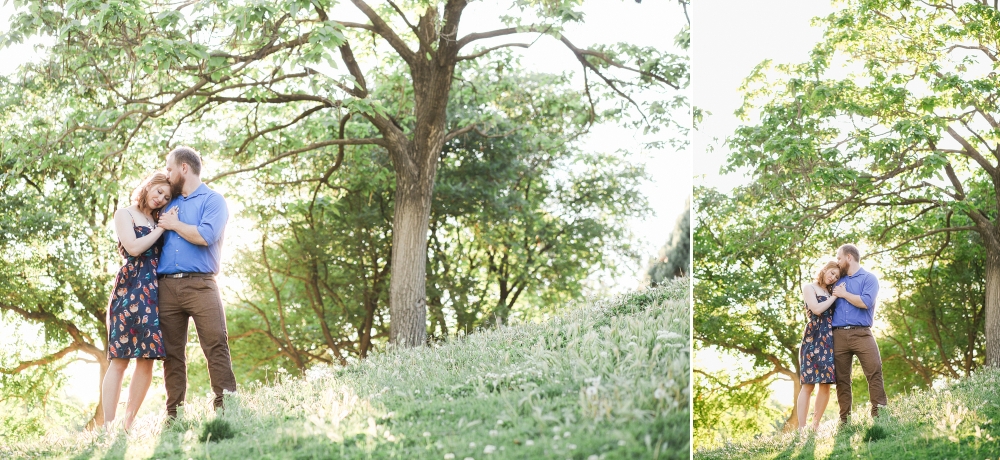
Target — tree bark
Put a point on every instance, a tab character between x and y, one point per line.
992	303
407	284
415	162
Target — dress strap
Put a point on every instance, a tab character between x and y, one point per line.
130	215
151	225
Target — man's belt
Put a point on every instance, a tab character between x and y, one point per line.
187	275
851	327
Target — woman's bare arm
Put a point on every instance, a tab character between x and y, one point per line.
809	296
123	228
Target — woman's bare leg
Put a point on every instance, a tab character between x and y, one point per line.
111	388
822	397
803	406
137	389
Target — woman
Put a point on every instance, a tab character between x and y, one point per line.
133	316
816	352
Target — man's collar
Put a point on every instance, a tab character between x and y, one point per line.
202	189
860	270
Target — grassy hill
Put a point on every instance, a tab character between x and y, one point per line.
960	421
609	379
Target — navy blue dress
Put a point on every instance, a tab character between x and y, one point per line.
816	352
133	311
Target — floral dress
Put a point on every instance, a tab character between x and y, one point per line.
816	352
133	313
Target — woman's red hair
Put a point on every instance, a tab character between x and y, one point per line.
819	275
141	192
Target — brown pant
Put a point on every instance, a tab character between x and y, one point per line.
197	298
848	343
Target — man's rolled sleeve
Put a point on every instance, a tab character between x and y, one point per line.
869	291
213	220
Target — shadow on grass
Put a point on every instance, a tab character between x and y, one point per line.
115	451
802	445
666	438
842	441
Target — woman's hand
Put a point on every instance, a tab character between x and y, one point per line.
169	219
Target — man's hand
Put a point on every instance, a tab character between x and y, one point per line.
853	299
839	290
169	220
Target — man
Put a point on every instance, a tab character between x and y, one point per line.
192	249
852	335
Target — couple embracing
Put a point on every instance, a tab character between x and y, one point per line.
840	304
171	240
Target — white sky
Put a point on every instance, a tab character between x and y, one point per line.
651	23
728	40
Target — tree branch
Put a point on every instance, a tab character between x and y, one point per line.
382	29
971	152
45	360
488	50
407	21
314	146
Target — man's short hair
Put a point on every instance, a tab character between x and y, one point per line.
851	250
188	156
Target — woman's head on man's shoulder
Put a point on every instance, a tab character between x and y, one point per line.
828	274
153	193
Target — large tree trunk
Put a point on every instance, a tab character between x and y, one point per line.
415	161
992	305
407	284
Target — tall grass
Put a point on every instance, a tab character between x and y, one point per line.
960	421
609	379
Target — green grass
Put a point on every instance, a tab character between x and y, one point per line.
606	380
961	421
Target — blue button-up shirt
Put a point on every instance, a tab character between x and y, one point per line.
862	283
206	209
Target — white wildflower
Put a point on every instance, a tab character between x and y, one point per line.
472	445
529	443
494	432
489	449
427	434
660	393
668	335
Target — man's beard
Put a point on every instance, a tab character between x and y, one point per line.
844	266
177	186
